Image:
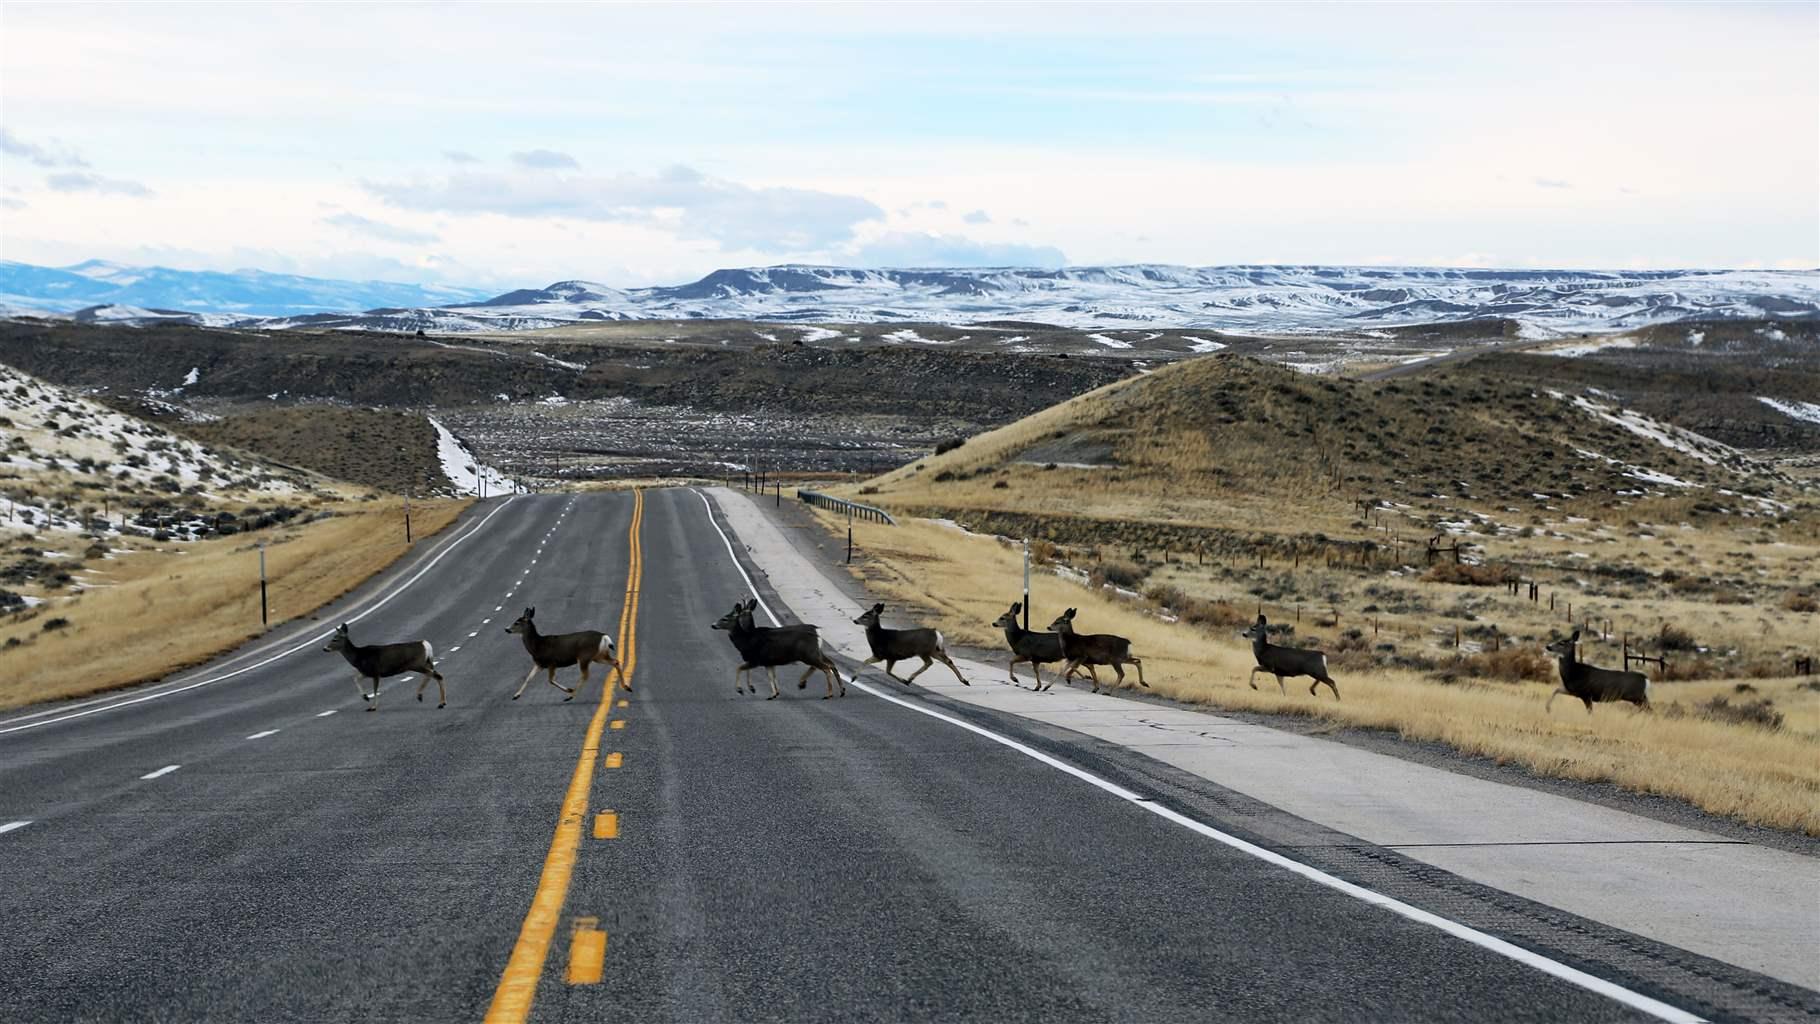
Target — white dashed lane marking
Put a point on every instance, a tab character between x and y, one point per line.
263	735
325	714
11	825
166	770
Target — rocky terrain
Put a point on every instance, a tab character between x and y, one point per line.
564	408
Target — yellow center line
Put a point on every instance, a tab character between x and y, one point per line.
518	984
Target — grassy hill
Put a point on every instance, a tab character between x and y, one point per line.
1236	444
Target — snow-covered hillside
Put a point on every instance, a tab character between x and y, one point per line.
1239	298
50	436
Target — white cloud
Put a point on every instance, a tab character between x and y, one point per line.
680	200
82	181
914	249
545	159
378	229
978	217
456	156
13	145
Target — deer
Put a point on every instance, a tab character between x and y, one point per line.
1085	650
559	650
767	647
1594	685
378	661
894	645
1029	646
1286	662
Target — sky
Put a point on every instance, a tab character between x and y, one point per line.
515	145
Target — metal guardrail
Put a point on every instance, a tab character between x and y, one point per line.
851	508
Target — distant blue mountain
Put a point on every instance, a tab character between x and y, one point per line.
246	292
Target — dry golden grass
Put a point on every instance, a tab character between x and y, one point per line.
172	608
1751	774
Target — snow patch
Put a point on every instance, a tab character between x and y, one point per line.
1589	348
465	470
1101	339
1203	344
1806	411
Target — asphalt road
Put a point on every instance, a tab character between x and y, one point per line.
789	860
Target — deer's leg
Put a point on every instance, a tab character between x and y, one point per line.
442	696
1253	678
1551	699
943	655
889	663
375	705
918	672
527	682
739	685
1139	662
624	683
1118	670
584	675
360	684
772	669
1332	686
803	683
422	681
1284	690
558	685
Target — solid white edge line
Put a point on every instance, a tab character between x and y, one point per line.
166	770
142	698
11	825
1573	976
263	735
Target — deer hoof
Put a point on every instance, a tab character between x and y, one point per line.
825	696
570	697
803	685
439	707
772	697
370	708
420	698
515	696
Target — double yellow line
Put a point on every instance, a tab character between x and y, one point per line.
518	985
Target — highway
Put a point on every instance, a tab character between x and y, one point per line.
262	849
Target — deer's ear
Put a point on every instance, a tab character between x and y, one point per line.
879	607
1017	606
1576	635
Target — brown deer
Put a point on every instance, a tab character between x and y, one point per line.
560	650
894	645
378	661
1033	648
767	647
1286	662
1085	650
1591	684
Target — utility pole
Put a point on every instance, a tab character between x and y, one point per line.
1026	583
264	614
407	517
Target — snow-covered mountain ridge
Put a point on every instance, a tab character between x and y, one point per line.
1237	298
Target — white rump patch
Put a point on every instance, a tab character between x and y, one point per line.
606	648
429	653
941	644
